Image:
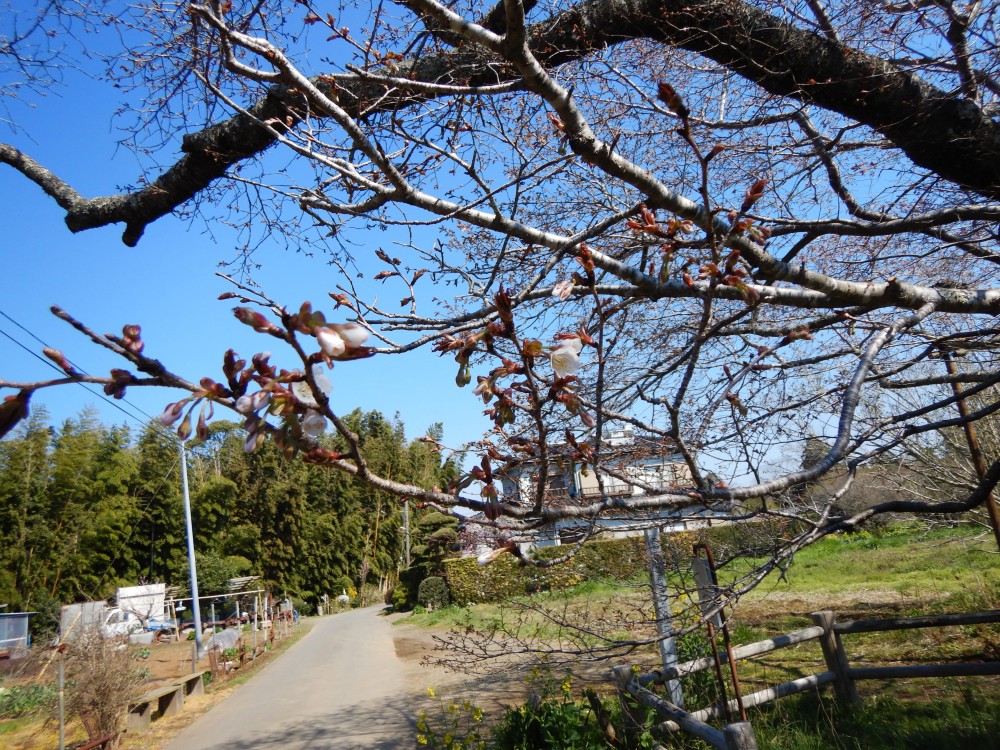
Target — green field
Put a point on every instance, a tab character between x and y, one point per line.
905	570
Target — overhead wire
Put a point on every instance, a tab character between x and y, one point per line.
115	403
158	430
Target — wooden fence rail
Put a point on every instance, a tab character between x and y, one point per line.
839	673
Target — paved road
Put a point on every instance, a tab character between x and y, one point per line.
341	687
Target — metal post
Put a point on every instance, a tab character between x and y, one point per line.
192	567
406	530
709	595
62	700
974	449
661	606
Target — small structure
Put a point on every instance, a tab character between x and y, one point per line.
145	602
15	637
248	602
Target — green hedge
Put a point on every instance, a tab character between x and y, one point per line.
433	593
616	559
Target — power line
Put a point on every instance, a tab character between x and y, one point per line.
159	431
51	364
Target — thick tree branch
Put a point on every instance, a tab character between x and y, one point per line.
947	134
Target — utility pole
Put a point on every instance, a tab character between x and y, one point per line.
192	567
406	530
661	606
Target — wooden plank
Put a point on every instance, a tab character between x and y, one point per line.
739	653
686	721
809	682
836	658
739	736
927	621
979	669
157	693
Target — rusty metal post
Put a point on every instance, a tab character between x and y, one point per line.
725	633
975	451
719	679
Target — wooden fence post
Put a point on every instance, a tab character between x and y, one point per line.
836	658
632	722
739	736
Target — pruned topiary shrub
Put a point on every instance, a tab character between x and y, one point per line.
433	593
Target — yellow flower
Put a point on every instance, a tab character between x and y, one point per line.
421	739
430	692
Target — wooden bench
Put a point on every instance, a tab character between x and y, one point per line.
167	700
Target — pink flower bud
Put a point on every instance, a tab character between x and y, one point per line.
563	290
255	320
184	430
172	413
487	557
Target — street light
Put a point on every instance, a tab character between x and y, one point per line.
192	567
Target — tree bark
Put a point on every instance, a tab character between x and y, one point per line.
939	131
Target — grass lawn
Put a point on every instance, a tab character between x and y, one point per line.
903	571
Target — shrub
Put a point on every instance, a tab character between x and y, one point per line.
101	680
551	721
433	593
455	726
617	559
397	598
22	700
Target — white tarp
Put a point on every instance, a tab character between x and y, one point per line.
76	618
143	601
223	639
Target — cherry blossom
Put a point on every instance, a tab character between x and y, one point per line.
565	358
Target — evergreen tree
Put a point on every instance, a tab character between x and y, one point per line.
71	505
24	474
107	543
85	510
160	545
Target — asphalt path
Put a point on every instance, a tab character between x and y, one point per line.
342	686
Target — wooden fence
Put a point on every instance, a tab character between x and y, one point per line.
839	673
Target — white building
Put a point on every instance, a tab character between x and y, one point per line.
631	466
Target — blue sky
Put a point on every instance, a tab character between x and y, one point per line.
167	284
